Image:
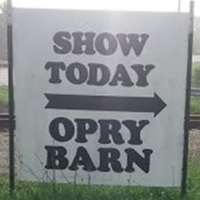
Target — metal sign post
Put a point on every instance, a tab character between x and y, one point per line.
187	102
11	98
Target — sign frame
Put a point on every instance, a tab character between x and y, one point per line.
11	101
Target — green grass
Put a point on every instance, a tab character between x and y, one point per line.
3	98
196	64
196	75
195	105
46	191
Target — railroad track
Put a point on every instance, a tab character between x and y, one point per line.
4	121
194	121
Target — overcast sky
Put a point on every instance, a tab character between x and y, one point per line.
138	5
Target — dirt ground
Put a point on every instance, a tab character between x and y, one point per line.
194	149
194	144
4	153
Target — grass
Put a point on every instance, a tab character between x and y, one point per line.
3	98
195	105
47	191
195	101
196	75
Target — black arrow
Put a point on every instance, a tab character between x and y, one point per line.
106	103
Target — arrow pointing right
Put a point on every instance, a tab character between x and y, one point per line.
106	103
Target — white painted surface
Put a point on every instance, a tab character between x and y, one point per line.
166	49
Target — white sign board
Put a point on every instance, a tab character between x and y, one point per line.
100	96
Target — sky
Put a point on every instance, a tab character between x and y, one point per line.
135	5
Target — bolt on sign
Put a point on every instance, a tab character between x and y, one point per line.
100	96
